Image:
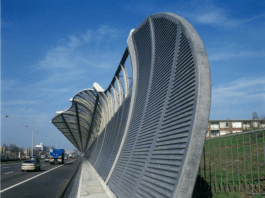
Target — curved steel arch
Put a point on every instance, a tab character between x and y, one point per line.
76	122
149	142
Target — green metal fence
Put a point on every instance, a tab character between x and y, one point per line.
233	163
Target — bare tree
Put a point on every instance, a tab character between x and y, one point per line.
255	116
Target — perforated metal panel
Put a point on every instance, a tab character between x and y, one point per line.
97	149
162	127
112	140
76	122
149	144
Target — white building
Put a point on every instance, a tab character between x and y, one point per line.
223	127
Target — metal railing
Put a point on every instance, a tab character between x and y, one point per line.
233	163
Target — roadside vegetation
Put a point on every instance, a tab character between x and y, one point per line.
234	166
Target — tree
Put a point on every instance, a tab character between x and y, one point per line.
13	148
255	116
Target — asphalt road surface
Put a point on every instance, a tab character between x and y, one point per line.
51	181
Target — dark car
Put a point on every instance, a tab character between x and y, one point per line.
33	164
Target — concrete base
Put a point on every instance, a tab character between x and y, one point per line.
91	185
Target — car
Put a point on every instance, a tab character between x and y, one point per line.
33	164
46	159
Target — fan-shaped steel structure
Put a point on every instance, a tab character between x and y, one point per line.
146	140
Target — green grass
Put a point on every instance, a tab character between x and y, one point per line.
224	167
234	195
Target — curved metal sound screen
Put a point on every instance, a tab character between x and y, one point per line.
151	141
162	149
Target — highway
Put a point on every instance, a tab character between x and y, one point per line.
51	181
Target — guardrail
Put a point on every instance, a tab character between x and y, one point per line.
233	163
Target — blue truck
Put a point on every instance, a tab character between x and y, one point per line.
57	156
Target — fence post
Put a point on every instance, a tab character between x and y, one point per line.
210	167
226	167
258	158
238	163
220	165
232	165
204	168
250	160
215	168
263	148
254	177
244	163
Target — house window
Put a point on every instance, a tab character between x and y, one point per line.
246	125
237	125
214	125
224	125
262	124
214	133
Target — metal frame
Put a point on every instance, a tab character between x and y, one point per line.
167	109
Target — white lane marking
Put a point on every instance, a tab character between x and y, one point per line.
8	172
28	179
32	178
6	167
70	161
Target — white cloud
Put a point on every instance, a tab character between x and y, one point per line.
197	12
8	84
242	95
18	102
225	55
217	17
83	49
89	53
240	91
209	18
67	68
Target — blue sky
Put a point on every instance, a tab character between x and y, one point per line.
53	49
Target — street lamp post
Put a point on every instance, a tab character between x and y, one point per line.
32	141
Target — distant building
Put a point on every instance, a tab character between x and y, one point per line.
224	127
40	147
4	149
69	152
27	151
44	148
